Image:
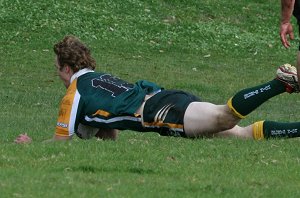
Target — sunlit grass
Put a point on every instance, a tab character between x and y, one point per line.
210	48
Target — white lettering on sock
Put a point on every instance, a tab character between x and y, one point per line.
278	132
283	132
289	131
256	92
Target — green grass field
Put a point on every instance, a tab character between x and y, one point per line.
210	48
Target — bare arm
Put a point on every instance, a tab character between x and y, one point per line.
287	7
286	28
107	134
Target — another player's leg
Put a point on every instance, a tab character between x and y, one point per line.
247	100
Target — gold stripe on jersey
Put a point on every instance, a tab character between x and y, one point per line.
62	127
102	113
162	124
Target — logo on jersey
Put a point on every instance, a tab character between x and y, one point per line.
112	84
63	125
162	113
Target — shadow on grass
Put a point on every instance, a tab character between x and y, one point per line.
92	169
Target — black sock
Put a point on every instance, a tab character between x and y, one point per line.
246	100
279	129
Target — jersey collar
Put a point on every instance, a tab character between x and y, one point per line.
80	73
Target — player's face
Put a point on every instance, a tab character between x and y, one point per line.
63	73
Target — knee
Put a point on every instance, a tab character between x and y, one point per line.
226	121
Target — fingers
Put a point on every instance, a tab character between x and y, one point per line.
284	39
291	35
286	32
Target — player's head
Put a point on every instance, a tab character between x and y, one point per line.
72	52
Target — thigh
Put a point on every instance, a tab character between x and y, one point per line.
206	119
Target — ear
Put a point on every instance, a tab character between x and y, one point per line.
67	68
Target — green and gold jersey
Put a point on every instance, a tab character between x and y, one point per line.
102	100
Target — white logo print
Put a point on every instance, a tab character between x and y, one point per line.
162	113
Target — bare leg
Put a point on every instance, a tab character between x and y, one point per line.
206	119
237	131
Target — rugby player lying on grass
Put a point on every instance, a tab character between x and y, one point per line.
98	104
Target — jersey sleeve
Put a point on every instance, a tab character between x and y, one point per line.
67	118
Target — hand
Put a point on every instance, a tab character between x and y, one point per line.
286	29
107	134
23	139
